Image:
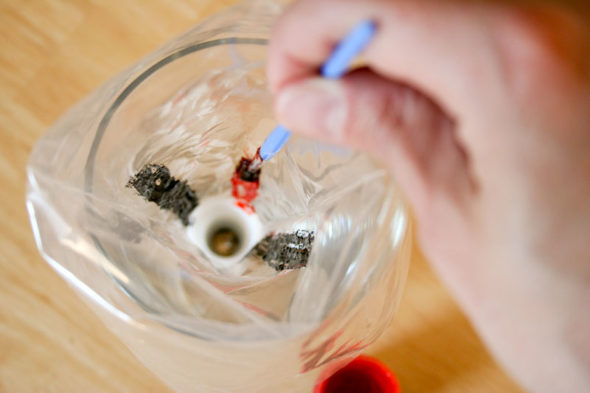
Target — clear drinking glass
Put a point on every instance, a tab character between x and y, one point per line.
197	105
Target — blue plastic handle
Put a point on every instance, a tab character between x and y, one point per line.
274	142
349	48
336	65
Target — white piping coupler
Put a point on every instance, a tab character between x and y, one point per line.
215	214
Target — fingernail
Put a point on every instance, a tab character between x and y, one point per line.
313	107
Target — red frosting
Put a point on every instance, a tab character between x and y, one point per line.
245	192
245	182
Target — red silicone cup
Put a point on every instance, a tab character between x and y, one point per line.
362	375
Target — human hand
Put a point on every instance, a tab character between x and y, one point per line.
482	112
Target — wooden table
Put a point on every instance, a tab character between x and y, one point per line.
52	53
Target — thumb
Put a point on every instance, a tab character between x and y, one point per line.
398	125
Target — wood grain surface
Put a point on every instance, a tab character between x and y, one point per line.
52	53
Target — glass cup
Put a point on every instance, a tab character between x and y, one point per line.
197	105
